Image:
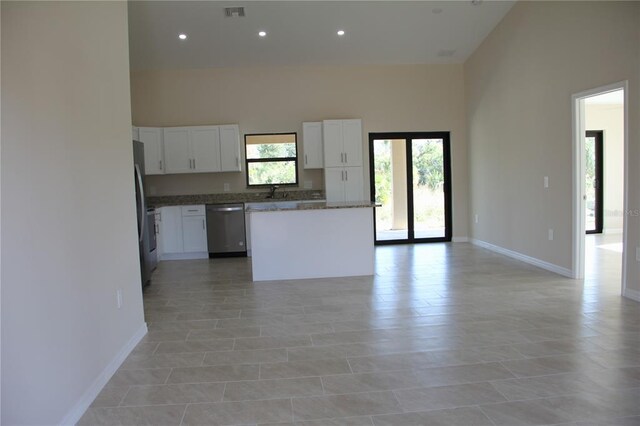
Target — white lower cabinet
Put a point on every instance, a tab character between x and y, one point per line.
344	184
183	232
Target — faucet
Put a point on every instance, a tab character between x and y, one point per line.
272	191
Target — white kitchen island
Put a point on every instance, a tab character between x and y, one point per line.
311	240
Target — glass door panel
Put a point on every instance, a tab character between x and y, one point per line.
427	159
410	175
390	171
594	210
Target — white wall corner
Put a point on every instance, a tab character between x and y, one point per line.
524	258
460	239
74	415
631	294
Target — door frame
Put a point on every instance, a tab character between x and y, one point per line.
578	187
447	188
598	135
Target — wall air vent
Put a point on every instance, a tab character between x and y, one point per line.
234	12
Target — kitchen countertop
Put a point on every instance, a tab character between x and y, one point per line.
305	205
228	198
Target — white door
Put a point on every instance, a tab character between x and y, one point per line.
352	136
230	148
332	138
312	145
334	184
205	147
151	137
353	184
194	231
177	154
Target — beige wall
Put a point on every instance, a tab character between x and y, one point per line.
387	98
610	119
68	210
518	86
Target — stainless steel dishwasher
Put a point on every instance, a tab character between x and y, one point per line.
225	230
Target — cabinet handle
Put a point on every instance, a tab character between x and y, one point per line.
194	163
346	159
305	159
342	157
160	164
342	175
346	175
203	224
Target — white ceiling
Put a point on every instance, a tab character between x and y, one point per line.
304	32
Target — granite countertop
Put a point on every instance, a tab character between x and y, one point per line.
306	205
228	198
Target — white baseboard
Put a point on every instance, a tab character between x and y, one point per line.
524	258
185	256
74	415
631	294
460	239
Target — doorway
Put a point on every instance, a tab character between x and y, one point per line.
594	181
411	182
600	196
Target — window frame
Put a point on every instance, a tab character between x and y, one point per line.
248	161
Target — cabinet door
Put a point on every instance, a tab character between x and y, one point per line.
177	154
135	133
312	145
334	184
205	148
352	136
194	231
353	184
151	137
171	229
332	138
230	148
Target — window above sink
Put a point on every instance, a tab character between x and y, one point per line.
272	159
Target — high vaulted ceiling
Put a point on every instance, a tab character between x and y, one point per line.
304	32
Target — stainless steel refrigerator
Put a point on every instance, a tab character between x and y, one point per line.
146	218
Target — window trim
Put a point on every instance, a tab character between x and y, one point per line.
247	160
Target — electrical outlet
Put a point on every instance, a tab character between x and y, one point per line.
638	254
550	234
308	184
119	298
226	187
152	190
546	181
476	218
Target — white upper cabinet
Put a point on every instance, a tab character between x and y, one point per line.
202	149
312	145
205	148
352	135
152	138
333	143
342	143
177	150
230	148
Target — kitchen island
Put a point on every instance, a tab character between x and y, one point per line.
297	240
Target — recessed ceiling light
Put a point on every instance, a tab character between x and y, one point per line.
262	33
182	36
476	2
340	32
436	10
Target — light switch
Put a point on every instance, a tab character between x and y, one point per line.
308	184
550	234
546	181
226	187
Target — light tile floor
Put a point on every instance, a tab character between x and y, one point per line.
443	334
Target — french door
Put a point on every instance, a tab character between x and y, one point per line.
411	181
594	184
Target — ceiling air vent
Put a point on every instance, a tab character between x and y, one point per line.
231	12
446	53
